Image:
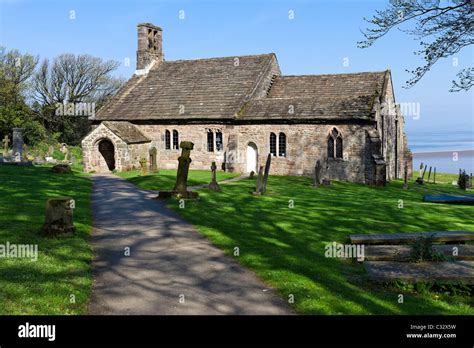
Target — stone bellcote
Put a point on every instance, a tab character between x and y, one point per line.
150	48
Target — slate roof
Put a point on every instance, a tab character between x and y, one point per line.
127	132
202	88
215	88
337	96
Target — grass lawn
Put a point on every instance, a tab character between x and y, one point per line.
63	267
285	246
166	178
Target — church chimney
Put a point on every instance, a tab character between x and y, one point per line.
149	45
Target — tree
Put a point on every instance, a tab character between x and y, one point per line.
447	29
16	70
72	80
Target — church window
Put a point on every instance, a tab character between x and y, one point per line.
167	140
335	144
210	141
282	145
175	140
219	143
273	150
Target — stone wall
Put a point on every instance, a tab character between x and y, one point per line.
305	145
126	155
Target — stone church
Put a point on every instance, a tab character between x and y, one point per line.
237	110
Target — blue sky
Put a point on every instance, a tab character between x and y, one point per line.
316	41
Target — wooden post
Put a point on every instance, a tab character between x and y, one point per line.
405	177
434	176
429	174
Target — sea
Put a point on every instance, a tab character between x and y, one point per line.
448	151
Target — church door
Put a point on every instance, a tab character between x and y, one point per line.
106	149
251	158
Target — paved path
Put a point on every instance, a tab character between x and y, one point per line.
168	259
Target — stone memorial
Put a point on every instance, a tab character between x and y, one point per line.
180	189
17	144
5	141
58	217
265	175
153	160
317	174
214	186
405	176
258	187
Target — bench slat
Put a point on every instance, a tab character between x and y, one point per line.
404	238
382	271
403	252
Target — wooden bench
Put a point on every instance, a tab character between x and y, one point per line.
467	199
402	253
405	238
383	271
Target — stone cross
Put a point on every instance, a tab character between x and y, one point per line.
143	169
214	185
265	176
405	177
18	143
184	162
6	141
317	174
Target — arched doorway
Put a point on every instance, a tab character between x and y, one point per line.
252	158
106	149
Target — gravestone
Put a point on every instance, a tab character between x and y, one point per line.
463	180
317	174
184	161
214	185
66	154
143	168
420	179
265	175
62	169
17	144
252	174
58	217
5	141
153	161
258	188
405	176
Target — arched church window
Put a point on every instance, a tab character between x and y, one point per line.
175	140
219	142
167	140
335	144
210	141
282	144
273	140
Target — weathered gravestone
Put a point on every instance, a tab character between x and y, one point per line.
58	217
463	180
5	141
17	144
143	167
153	160
214	185
317	174
420	179
259	184
265	175
405	176
62	168
262	180
184	161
